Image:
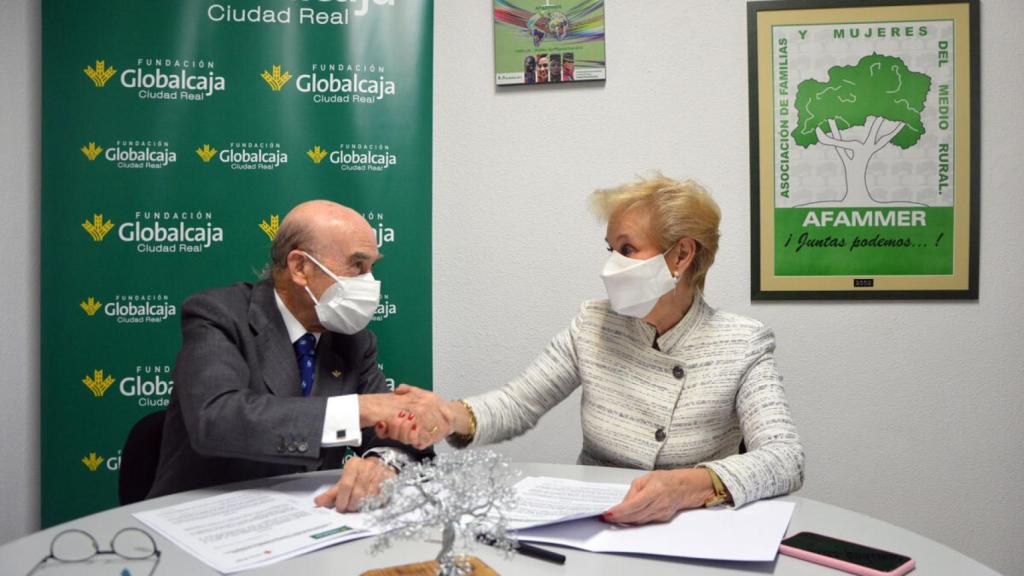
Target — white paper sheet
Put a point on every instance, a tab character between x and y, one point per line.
751	533
249	528
544	500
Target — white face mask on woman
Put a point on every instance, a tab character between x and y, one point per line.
347	306
634	286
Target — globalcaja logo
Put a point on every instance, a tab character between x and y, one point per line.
171	232
246	155
134	154
98	228
93	461
343	83
162	232
385	234
316	154
132	308
99	73
385	308
206	153
90	306
151	386
98	382
164	78
91	151
271	228
276	80
363	157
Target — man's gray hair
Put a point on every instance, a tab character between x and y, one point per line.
290	236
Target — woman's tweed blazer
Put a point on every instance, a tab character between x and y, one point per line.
709	382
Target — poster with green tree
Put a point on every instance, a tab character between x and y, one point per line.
863	150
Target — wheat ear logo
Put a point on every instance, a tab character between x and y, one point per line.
316	154
276	80
100	74
91	151
98	228
271	229
206	152
92	461
90	306
98	383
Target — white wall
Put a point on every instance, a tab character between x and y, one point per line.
20	64
909	410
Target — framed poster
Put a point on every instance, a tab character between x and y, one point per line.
549	43
864	120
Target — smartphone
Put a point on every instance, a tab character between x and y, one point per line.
845	556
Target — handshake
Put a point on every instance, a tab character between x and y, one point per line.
413	416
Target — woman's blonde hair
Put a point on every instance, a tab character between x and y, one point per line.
677	210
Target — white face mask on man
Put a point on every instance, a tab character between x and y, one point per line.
634	286
347	306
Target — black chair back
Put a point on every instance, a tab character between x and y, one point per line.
139	458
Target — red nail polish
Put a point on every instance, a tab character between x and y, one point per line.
413	426
410	416
401	413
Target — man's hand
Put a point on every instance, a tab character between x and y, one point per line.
411	415
360	479
658	495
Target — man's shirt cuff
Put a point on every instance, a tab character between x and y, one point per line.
341	422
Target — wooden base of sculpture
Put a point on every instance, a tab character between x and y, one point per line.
429	569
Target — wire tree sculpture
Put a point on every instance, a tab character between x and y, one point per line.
467	493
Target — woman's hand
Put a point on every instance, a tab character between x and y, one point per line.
425	418
658	495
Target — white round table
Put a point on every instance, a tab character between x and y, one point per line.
933	559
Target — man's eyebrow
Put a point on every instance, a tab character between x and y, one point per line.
363	256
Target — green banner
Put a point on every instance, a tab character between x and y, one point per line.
175	137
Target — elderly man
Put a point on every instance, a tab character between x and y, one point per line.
278	377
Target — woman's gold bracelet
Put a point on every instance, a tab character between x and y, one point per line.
462	440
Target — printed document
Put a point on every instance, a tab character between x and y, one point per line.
249	528
751	533
544	500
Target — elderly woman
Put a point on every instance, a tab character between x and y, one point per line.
669	383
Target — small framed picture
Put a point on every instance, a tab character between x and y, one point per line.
548	43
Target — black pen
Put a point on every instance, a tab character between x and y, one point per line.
529	550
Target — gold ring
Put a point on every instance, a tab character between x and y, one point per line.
433	430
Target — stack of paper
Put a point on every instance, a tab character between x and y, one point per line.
557	511
545	500
249	528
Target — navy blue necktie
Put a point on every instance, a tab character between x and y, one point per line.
305	353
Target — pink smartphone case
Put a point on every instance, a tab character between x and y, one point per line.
840	565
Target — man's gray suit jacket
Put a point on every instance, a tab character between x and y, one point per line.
237	411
